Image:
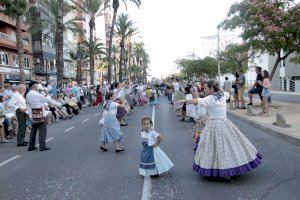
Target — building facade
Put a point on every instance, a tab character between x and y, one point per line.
9	61
287	74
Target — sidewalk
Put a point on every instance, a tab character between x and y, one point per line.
290	111
284	92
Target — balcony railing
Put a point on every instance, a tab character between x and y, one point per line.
12	38
43	70
37	48
8	37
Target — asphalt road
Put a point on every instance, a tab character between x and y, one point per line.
75	168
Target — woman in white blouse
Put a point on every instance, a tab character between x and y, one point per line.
223	151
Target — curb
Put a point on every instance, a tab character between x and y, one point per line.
267	128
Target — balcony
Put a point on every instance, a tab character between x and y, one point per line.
43	71
10	42
12	22
7	37
48	49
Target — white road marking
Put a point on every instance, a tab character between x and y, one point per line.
97	114
69	129
146	188
9	160
46	141
147	180
85	120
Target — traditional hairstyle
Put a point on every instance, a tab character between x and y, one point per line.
216	87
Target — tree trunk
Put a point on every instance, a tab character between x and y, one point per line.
78	71
115	68
59	44
121	61
278	60
20	49
109	61
91	52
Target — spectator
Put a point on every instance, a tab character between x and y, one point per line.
7	93
265	92
256	88
18	102
227	87
241	88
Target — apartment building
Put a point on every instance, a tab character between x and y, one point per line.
9	61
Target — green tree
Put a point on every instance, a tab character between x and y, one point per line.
115	57
124	29
115	6
18	10
237	53
267	26
145	60
93	9
95	49
206	66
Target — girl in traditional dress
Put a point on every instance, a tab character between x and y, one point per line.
111	131
223	150
153	160
143	98
190	108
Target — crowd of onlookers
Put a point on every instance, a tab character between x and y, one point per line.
73	99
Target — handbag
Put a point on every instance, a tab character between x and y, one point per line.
37	115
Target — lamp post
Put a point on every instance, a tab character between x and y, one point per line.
218	37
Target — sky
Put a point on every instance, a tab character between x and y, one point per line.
173	29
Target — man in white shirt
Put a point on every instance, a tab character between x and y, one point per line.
36	101
18	102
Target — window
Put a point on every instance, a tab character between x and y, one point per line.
16	61
26	62
3	58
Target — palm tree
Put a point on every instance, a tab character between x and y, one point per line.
54	12
124	29
115	52
93	9
115	6
145	60
18	10
94	50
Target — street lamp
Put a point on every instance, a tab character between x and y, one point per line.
218	51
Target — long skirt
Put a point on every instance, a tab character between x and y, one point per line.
111	131
224	151
162	164
178	96
121	112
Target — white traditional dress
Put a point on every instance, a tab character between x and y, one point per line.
153	160
191	110
223	150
